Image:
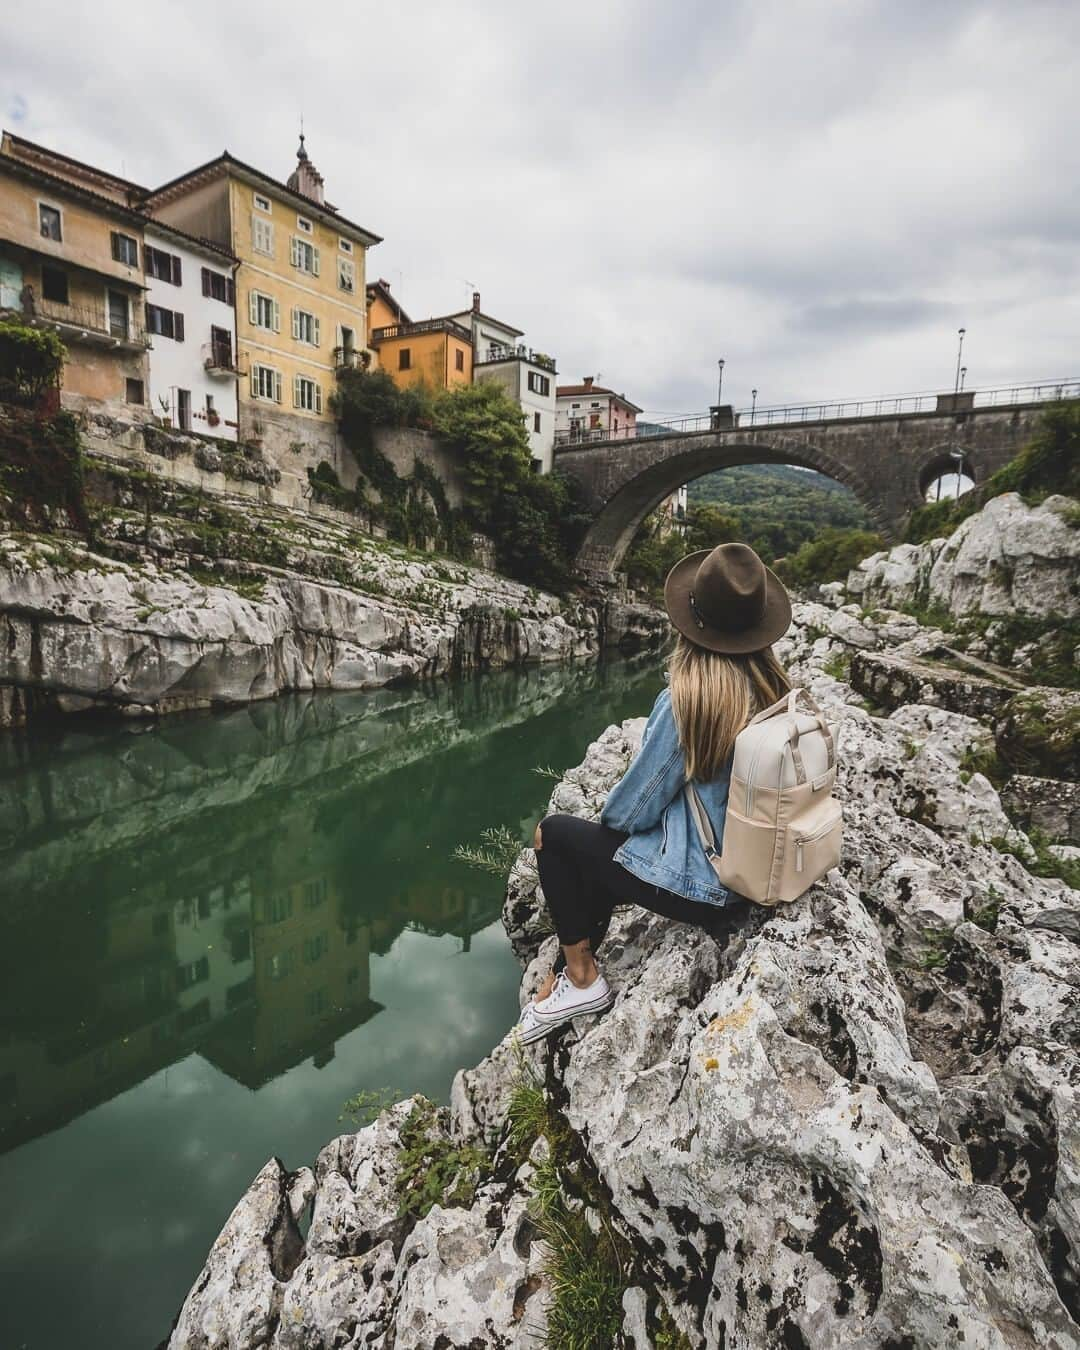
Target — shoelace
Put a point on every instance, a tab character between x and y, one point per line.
559	988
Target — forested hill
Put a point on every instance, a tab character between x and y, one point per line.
777	507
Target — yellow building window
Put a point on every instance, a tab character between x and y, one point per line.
304	256
266	383
262	234
307	394
305	327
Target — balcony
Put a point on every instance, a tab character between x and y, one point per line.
506	352
351	358
218	359
92	325
403	330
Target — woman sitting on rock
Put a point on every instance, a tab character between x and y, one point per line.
728	608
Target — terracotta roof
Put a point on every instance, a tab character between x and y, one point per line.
582	390
124	183
223	162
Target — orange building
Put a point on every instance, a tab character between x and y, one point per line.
70	260
435	352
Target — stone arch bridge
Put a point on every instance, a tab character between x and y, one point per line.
887	451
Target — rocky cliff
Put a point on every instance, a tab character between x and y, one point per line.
226	610
853	1123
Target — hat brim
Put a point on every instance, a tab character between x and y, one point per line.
773	624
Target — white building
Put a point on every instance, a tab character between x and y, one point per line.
590	412
191	322
528	376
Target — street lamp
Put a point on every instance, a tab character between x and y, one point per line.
753	405
959	349
963	375
957	452
720	383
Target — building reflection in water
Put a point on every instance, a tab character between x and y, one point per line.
220	885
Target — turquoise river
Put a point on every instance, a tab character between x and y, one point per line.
216	930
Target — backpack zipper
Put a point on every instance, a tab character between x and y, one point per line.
809	839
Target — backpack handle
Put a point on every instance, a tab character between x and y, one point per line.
789	703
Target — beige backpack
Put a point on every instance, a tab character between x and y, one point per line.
783	828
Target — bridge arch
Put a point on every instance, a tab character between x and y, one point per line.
613	530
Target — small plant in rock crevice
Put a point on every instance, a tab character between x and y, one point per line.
939	943
838	665
1045	863
364	1106
432	1169
588	1266
497	854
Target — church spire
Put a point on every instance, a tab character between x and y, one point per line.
305	178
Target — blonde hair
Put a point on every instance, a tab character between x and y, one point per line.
714	695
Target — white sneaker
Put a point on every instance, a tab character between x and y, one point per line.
567	1001
530	1028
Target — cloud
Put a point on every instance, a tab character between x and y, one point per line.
819	192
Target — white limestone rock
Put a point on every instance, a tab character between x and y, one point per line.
1007	559
85	631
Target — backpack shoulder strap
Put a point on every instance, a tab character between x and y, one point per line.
702	822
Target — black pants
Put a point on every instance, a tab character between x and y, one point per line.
583	884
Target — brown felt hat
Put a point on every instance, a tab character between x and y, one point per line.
726	599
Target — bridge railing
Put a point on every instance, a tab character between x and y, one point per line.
795	414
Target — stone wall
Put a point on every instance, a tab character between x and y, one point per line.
272	467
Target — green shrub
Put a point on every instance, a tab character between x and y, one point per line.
432	1169
829	557
31	362
1044	863
41	470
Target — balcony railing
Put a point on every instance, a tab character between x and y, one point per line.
85	323
504	351
402	330
219	359
350	358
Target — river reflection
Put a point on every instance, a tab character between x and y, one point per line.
217	928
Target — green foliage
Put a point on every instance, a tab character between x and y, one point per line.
939	944
31	362
829	557
487	428
986	915
536	521
984	760
777	507
1049	464
432	1169
496	855
1045	863
326	487
586	1272
365	1106
838	665
586	1277
42	471
527	1111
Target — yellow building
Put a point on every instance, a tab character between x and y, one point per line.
70	260
301	310
435	352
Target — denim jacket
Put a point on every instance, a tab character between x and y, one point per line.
649	804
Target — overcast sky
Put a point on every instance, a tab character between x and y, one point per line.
820	191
